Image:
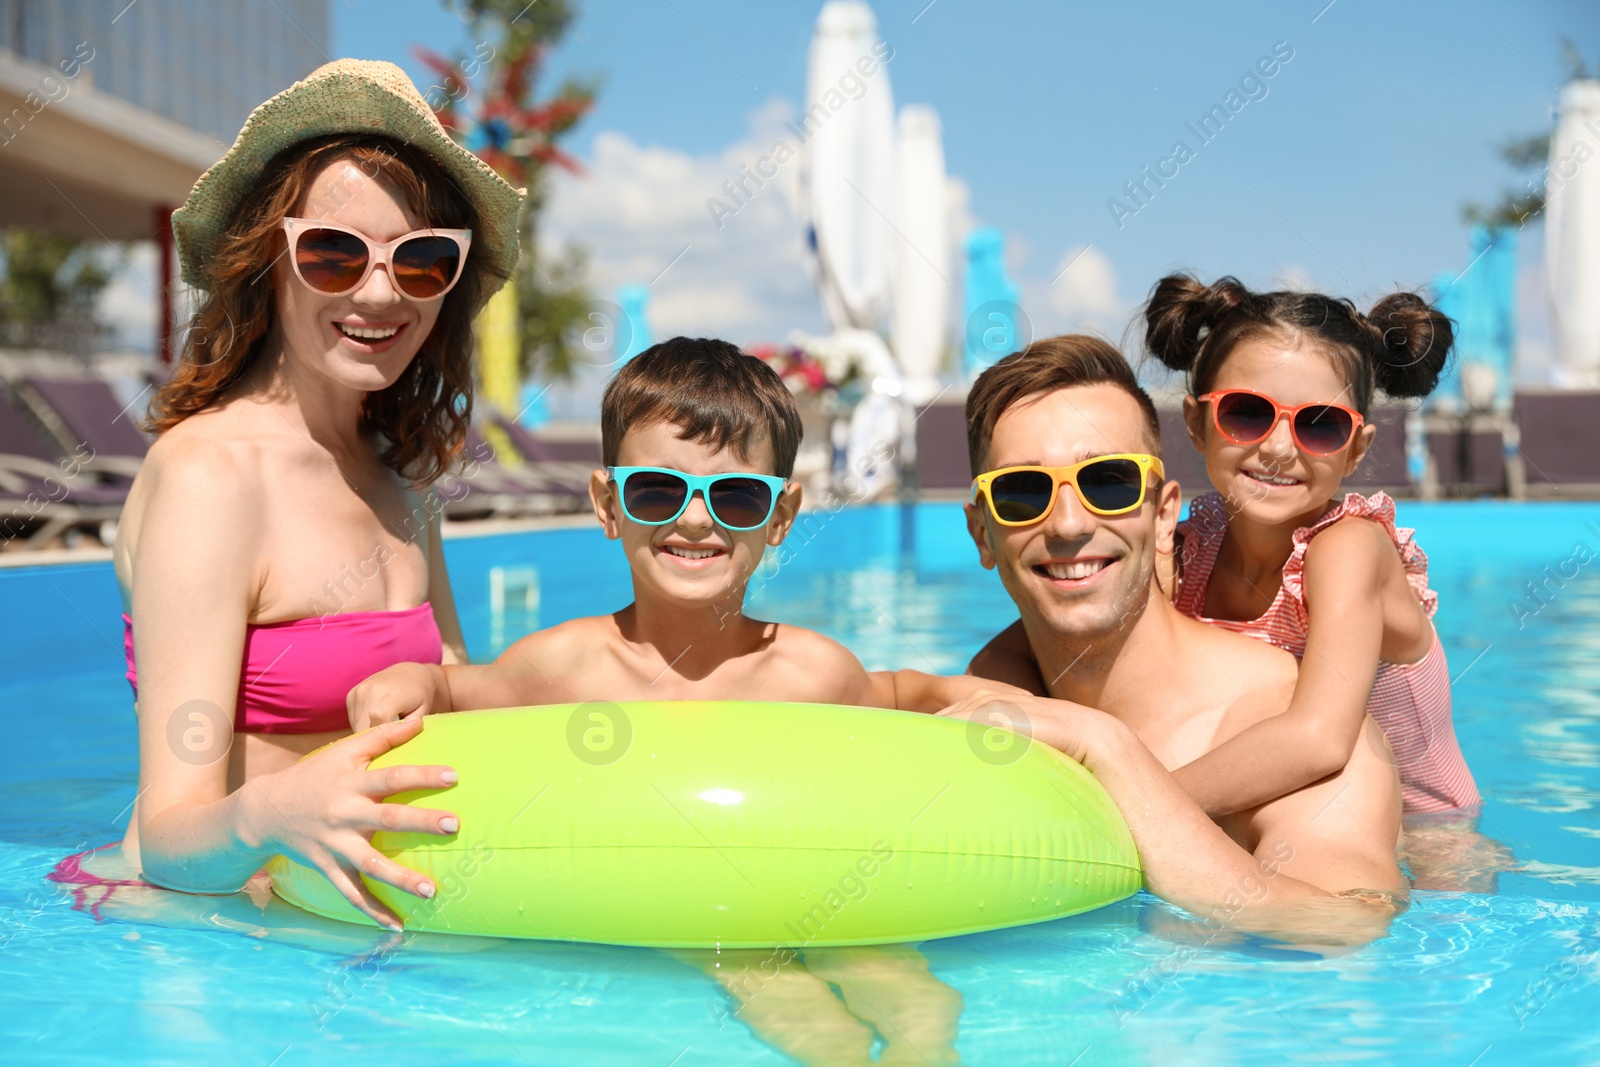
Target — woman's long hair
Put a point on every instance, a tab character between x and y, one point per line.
421	420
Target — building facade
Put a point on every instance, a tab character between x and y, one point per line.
203	64
111	109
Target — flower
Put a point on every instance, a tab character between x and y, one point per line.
838	361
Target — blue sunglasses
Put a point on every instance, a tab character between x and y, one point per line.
655	496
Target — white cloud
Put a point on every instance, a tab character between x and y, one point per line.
1085	286
742	273
1079	295
1295	279
745	276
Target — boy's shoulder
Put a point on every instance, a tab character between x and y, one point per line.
808	663
797	642
566	643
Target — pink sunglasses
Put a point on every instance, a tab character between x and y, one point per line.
333	259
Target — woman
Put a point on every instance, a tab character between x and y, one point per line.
280	543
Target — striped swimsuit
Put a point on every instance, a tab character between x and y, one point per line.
1409	701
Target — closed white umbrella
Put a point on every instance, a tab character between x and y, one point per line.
1572	237
922	253
848	128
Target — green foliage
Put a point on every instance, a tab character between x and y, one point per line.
1576	66
515	21
1516	207
555	307
48	289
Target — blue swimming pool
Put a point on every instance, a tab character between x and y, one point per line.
1510	976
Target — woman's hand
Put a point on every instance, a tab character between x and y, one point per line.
392	694
323	811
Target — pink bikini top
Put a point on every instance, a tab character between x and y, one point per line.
296	674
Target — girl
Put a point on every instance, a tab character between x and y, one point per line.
1279	389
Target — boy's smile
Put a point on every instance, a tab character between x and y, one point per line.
692	555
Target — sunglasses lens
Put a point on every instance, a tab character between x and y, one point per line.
424	267
1323	429
653	497
1021	496
1245	418
1111	484
741	503
330	261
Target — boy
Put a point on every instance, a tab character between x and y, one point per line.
682	412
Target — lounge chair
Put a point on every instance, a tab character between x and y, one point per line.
570	476
1560	439
85	411
942	462
493	490
45	492
1182	462
1385	464
1468	453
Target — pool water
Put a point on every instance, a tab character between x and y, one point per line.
1510	976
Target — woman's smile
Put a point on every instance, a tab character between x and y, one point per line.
370	337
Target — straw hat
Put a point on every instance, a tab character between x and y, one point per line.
345	96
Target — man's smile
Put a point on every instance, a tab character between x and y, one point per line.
1075	572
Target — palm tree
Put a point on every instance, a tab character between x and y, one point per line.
506	126
1517	207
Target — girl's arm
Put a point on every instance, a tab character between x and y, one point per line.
1313	738
192	576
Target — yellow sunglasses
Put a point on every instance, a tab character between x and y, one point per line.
1106	485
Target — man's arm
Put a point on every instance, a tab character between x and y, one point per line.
910	690
1340	833
1007	658
1187	858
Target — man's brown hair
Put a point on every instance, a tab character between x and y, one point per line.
711	391
1053	363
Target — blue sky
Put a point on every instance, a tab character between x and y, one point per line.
1349	174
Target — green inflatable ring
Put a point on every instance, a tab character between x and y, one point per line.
743	825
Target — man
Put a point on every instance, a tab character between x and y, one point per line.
1077	551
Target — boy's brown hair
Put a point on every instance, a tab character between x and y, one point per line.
711	391
1043	367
